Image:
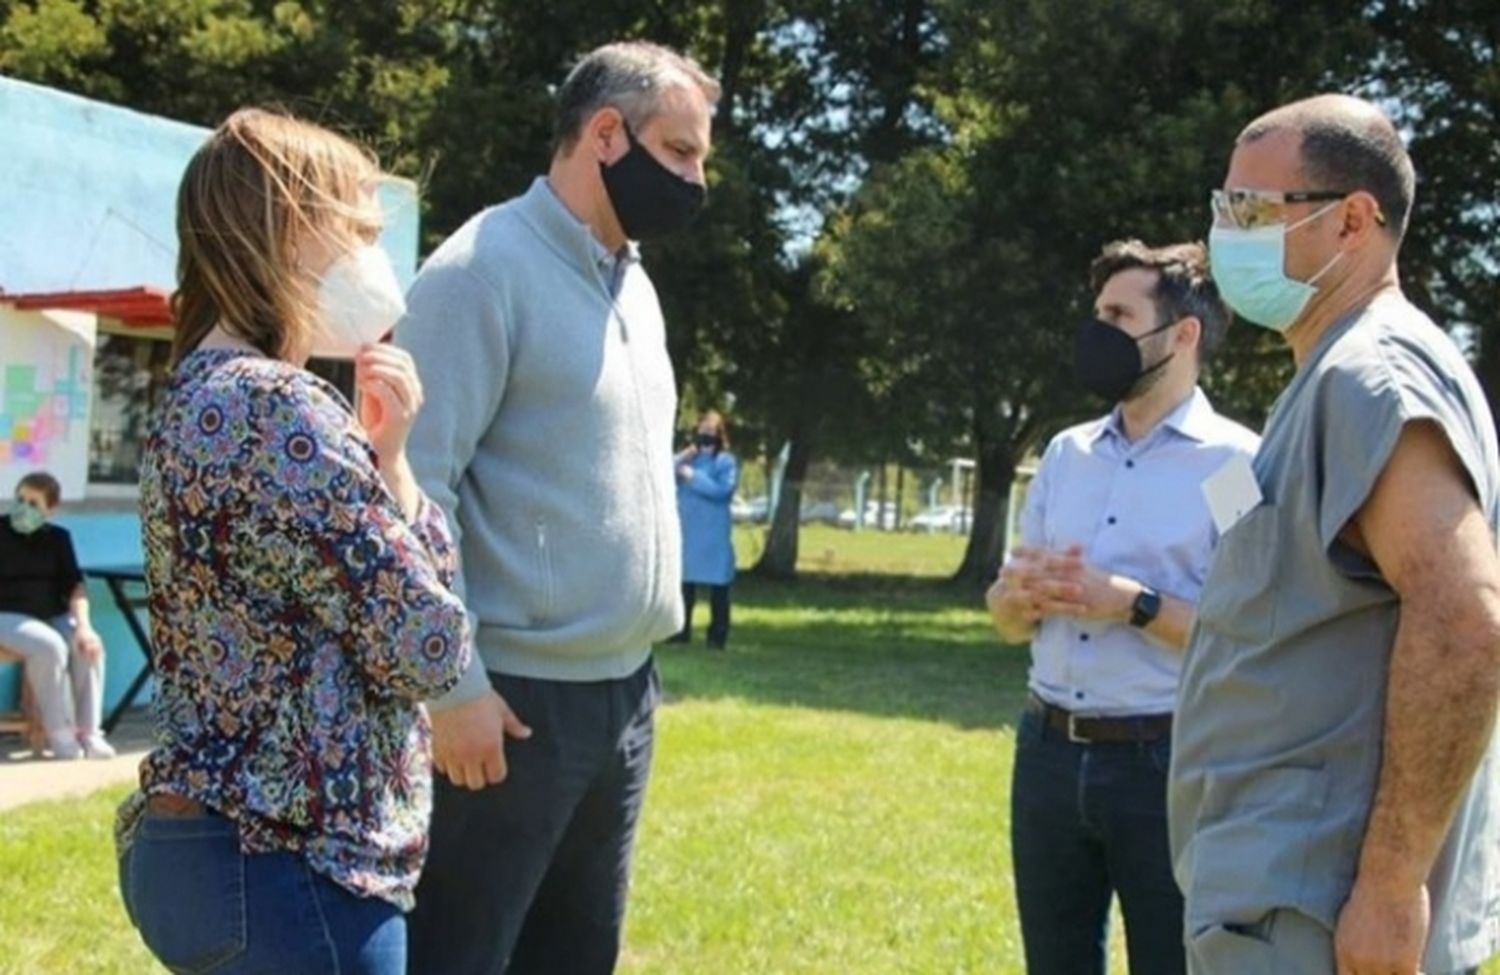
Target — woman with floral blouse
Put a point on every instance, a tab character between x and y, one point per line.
298	580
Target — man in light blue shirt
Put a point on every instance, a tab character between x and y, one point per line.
1116	540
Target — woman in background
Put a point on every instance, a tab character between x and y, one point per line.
298	580
707	476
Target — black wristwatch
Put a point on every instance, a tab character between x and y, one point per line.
1145	608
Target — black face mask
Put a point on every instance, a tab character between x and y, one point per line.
650	200
1107	362
707	442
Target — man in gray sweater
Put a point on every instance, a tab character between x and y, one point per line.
547	440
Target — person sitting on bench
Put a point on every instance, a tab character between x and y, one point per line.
44	617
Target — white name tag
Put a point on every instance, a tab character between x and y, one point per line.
1231	492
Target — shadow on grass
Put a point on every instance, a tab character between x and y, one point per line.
878	645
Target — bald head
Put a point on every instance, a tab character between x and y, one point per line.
1347	144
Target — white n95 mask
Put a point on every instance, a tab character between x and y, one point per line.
359	302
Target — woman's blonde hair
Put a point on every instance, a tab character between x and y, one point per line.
715	420
260	183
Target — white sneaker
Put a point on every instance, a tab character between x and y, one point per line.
94	746
66	751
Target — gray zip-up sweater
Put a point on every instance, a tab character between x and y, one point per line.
546	438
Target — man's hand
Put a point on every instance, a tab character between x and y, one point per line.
1012	603
1011	595
1067	585
86	644
1381	932
468	741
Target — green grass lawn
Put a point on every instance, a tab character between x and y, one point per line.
824	550
828	797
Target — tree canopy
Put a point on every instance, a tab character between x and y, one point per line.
905	194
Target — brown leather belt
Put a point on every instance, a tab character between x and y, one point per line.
171	804
1084	730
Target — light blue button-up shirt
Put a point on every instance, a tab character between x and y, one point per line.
1138	511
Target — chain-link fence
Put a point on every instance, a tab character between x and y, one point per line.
887	497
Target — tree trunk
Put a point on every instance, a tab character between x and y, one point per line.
880	499
779	560
900	492
996	470
742	22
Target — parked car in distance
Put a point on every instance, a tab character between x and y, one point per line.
943	518
757	509
824	512
876	516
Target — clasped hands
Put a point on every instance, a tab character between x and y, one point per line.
1037	582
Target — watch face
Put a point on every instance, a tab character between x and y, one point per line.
1147	605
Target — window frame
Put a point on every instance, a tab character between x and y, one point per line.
109	494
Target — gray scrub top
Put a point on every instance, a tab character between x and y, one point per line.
1277	746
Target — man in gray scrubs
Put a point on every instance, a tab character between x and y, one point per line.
1334	804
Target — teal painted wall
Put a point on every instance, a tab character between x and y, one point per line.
88	194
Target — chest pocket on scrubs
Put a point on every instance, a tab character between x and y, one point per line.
1240	594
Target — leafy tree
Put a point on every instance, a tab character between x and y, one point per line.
857	101
1441	70
905	194
1069	124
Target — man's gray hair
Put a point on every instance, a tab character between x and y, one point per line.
630	76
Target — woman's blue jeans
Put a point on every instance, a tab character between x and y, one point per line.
203	906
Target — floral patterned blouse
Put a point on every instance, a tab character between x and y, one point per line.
297	621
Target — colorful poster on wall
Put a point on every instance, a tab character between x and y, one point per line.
46	378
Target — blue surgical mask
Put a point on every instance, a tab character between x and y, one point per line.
1249	266
26	518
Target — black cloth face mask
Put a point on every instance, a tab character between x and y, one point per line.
1107	362
707	442
650	200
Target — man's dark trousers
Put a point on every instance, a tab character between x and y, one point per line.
531	876
1089	821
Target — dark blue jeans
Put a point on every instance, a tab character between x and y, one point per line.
530	876
203	906
1089	821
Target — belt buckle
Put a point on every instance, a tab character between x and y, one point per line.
1073	735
